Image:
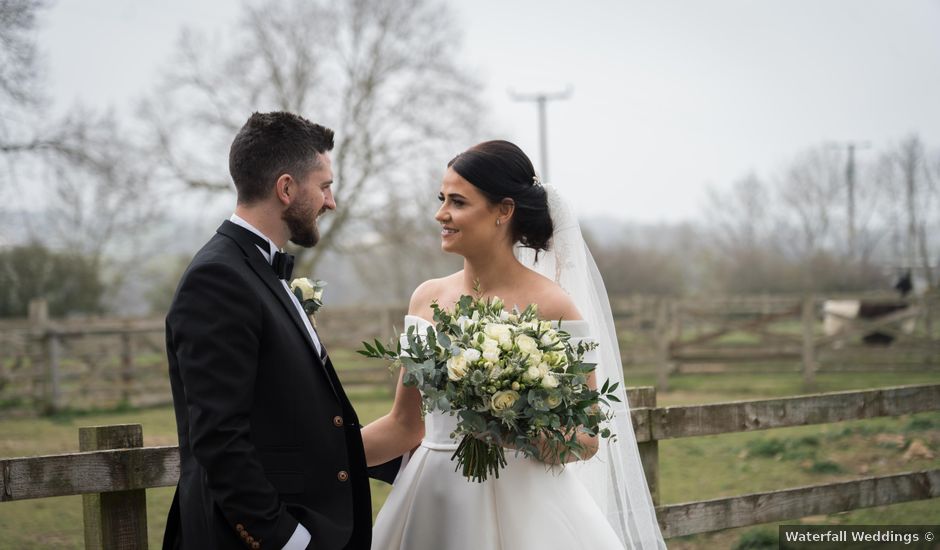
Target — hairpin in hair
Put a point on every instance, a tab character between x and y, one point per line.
536	181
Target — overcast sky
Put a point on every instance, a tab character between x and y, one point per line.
668	96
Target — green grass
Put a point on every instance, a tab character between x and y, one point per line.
735	463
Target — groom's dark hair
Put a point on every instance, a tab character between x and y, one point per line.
270	145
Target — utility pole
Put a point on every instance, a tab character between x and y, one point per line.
541	100
851	146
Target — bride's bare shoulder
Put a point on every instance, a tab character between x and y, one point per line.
554	303
430	291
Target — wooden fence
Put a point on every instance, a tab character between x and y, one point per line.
114	469
775	334
50	365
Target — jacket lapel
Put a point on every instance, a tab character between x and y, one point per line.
264	271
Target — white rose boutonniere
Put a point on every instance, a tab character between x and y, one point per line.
309	292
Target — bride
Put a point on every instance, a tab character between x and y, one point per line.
520	242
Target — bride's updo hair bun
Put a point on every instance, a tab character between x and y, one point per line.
501	170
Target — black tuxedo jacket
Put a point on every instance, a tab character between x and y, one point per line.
267	437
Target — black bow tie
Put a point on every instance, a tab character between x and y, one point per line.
283	265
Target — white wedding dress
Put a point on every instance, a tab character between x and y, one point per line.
530	505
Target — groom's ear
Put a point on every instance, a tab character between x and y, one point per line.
284	188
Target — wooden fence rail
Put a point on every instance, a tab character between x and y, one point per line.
113	480
50	365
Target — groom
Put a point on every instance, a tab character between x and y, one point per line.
270	450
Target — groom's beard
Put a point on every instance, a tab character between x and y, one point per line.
302	223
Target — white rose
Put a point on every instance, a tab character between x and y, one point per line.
556	359
549	381
527	344
553	400
456	367
503	400
515	386
471	354
305	286
534	359
531	374
543	368
491	354
501	333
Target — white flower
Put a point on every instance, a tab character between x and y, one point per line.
456	367
553	400
515	386
543	368
463	322
318	294
471	354
306	288
549	381
491	354
499	332
549	339
503	400
531	374
534	359
557	359
527	344
545	325
504	315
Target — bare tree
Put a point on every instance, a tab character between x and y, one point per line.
18	71
812	192
382	73
910	175
742	217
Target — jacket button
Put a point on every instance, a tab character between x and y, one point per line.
250	540
343	475
255	545
239	527
245	536
338	421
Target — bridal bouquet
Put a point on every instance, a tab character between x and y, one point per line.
511	379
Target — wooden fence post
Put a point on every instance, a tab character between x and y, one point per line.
809	343
53	398
663	339
117	519
36	349
49	353
649	450
127	366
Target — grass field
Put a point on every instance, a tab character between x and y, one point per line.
734	463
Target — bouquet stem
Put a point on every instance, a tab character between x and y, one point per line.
479	458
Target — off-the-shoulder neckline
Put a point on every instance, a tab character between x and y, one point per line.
563	323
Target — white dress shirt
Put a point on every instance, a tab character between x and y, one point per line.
301	537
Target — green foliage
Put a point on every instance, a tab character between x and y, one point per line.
71	283
757	539
825	467
920	424
766	447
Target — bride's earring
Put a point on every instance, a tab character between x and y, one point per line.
497	221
